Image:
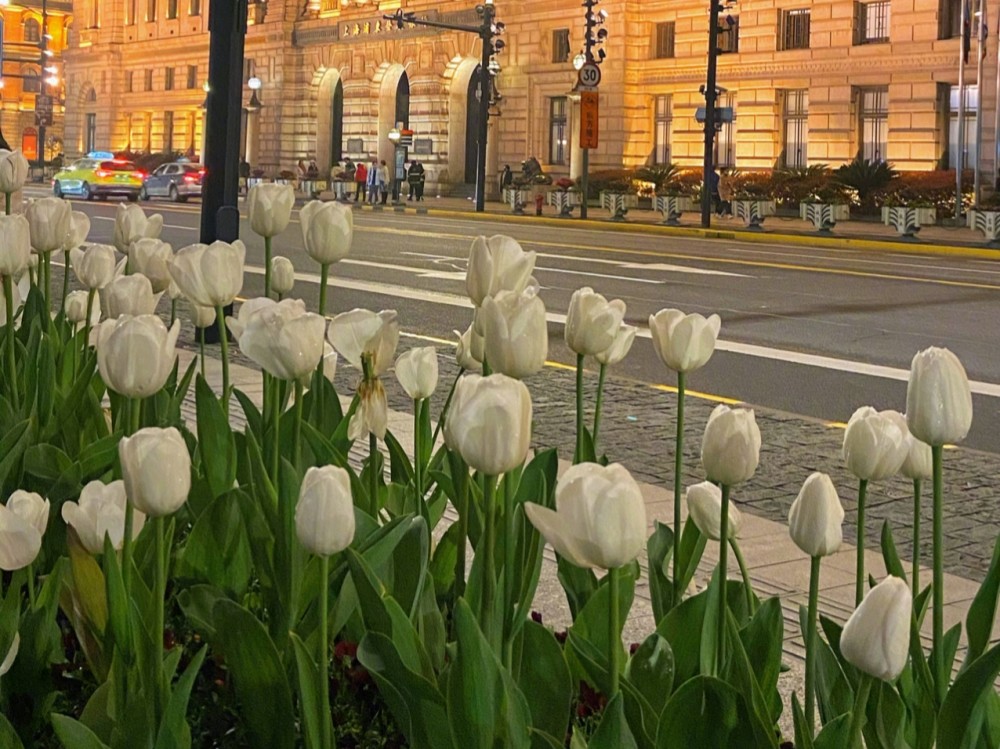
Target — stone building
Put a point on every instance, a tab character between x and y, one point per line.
806	82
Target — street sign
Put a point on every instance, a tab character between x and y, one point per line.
406	138
43	109
589	130
589	76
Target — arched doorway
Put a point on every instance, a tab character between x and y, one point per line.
330	120
473	121
337	124
393	107
403	101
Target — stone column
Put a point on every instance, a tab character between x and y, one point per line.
575	152
492	159
253	137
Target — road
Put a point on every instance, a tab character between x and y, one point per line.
813	332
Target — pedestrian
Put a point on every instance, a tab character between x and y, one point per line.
360	181
506	179
725	192
349	171
300	170
373	181
416	179
383	180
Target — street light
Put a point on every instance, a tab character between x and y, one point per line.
254	85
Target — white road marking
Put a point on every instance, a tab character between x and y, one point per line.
680	269
165	226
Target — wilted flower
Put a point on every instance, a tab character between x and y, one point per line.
136	355
363	332
592	322
730	447
417	372
95	266
816	519
131	225
327	231
938	398
324	515
372	413
704	503
269	208
489	423
876	639
99	513
684	342
210	275
497	264
515	332
875	443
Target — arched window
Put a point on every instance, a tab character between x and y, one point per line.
32	31
32	79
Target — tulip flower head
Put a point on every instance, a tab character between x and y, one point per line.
22	523
31	508
201	317
515	332
79	228
365	335
15	245
49	220
592	322
156	468
13	170
95	266
210	275
135	355
876	638
247	310
152	257
938	398
131	225
497	264
282	275
489	423
327	231
919	460
684	342
617	351
284	339
816	519
129	295
704	503
417	372
600	517
372	413
730	446
324	514
470	350
100	513
875	443
76	307
269	207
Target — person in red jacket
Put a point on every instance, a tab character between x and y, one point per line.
360	181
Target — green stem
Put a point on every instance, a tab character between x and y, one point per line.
614	631
160	591
810	636
47	283
372	474
486	368
858	713
462	491
915	580
31	586
65	288
678	480
173	312
447	405
745	574
509	544
326	740
578	455
600	403
940	673
489	563
859	581
201	350
8	293
418	479
324	279
91	296
723	570
6	202
276	445
220	319
324	274
267	266
297	435
133	414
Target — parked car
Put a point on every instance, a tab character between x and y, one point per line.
178	180
99	175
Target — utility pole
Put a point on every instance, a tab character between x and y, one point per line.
589	77
41	117
711	93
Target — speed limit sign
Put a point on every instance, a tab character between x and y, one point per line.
590	75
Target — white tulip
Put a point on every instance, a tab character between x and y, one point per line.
95	266
470	349
13	170
919	462
875	444
684	342
816	519
618	350
210	275
515	332
329	367
15	245
8	660
327	231
363	332
79	228
174	291
938	398
417	372
156	468
135	355
324	515
876	639
76	307
600	517
497	264
31	508
730	447
50	222
129	295
100	513
284	339
248	309
372	413
592	322
489	423
152	257
704	503
282	275
20	540
201	317
131	225
269	208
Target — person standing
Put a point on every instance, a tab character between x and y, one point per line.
373	181
383	180
417	180
360	181
506	179
349	171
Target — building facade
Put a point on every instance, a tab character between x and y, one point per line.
806	83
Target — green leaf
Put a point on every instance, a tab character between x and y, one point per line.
803	731
198	604
308	694
173	727
12	447
540	670
251	413
651	670
982	612
592	625
659	552
74	735
763	639
217	550
886	719
118	605
682	628
835	735
705	712
956	711
613	732
893	565
693	544
46	462
579	585
400	468
711	624
215	440
258	677
8	736
485	706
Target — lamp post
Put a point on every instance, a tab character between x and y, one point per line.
253	114
711	93
594	38
488	30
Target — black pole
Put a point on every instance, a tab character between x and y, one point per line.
710	96
42	85
485	91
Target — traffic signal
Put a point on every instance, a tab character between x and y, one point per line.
595	35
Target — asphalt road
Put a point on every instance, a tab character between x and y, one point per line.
815	332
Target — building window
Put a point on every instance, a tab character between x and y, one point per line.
664	40
949	19
661	129
168	81
32	31
871	22
128	82
874	122
968	155
149	80
171	8
560	45
194	7
729	34
90	132
150	10
795	29
32	80
725	138
558	130
168	132
796	126
192	76
95	14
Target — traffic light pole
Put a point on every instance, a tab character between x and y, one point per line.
710	96
42	46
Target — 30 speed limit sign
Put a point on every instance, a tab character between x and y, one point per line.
590	75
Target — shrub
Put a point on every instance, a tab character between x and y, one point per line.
611	180
865	178
751	185
927	190
813	184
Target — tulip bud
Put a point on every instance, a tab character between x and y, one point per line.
76	307
173	291
131	225
704	503
515	332
151	257
876	639
135	355
324	515
129	295
284	339
363	332
327	231
13	170
282	275
79	228
469	351
22	523
730	447
618	350
919	463
815	521
210	275
684	342
489	423
938	398
201	317
875	443
95	266
497	264
156	467
600	517
15	245
99	513
49	221
269	207
417	372
592	322
8	660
